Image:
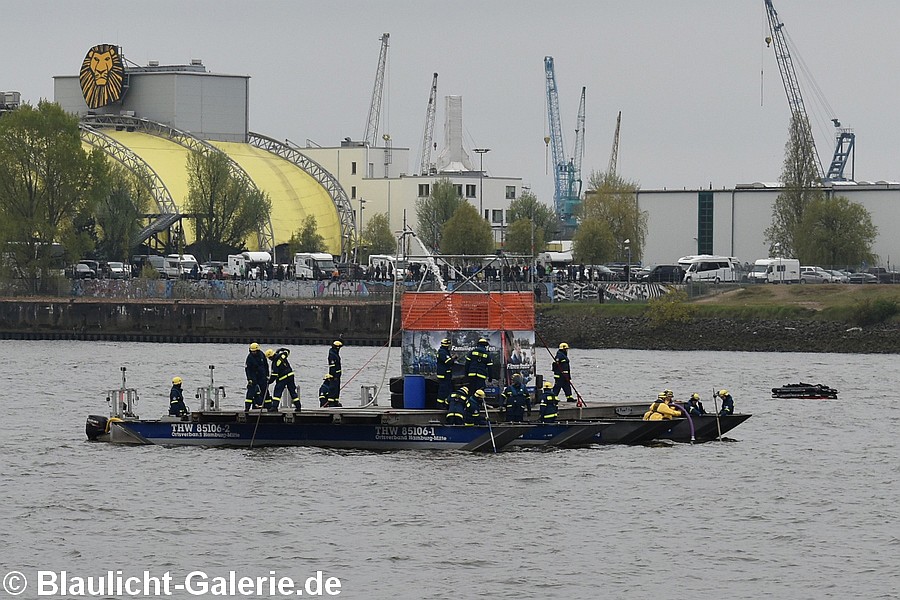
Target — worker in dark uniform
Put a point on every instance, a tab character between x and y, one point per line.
549	404
334	368
256	367
283	376
478	365
444	374
267	401
177	407
727	403
326	393
516	400
694	406
457	406
475	409
562	375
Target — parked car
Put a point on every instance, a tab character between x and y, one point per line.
838	276
210	270
350	271
883	275
814	275
663	274
93	265
80	271
117	270
604	273
861	278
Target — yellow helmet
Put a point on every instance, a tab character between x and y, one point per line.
445	342
548	385
254	347
479	393
337	343
564	346
695	396
661	396
176	381
270	353
464	390
482	341
723	393
668	393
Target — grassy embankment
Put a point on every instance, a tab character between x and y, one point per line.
855	304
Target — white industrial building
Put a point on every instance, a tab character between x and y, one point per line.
732	222
383	179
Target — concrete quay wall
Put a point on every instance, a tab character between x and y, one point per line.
288	322
320	321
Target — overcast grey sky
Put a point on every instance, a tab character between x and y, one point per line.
700	94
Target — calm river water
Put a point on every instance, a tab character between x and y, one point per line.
802	502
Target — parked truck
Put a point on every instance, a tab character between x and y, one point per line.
248	265
313	265
775	270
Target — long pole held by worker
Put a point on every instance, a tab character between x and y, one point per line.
580	403
258	417
487	417
718	423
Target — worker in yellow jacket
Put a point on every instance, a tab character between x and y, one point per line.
662	409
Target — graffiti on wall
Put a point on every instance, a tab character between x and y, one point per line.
612	292
168	289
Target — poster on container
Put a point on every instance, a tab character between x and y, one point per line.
510	351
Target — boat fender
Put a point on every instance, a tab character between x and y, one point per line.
96	426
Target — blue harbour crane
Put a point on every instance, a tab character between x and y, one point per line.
566	171
845	138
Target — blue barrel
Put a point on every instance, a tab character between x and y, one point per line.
413	391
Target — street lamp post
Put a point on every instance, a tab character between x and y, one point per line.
628	264
481	152
362	206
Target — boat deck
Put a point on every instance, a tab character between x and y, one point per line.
386	415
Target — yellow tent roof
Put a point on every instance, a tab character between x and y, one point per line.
294	194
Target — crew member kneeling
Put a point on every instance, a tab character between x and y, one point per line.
473	411
549	404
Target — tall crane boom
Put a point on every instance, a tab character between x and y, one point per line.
563	169
427	139
579	147
371	135
845	138
614	153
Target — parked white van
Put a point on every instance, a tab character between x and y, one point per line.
775	270
708	267
179	265
313	265
247	264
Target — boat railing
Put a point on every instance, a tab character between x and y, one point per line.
368	395
123	400
210	395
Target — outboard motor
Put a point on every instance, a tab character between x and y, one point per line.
95	426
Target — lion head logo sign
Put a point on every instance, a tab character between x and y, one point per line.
101	76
